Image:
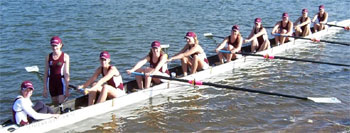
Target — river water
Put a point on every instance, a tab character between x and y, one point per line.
126	29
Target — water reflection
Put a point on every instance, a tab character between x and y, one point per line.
109	127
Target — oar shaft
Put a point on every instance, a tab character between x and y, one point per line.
229	87
295	59
336	25
341	43
286	58
194	82
219	37
254	91
312	61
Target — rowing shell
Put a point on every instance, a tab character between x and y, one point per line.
82	111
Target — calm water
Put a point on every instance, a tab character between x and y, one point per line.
126	29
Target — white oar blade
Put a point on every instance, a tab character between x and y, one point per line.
324	99
32	69
165	46
208	34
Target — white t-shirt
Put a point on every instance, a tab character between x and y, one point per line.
23	107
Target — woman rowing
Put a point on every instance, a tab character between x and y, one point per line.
157	60
322	18
302	24
192	55
56	77
109	86
24	112
282	29
258	36
234	44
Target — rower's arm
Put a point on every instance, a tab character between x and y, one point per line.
92	78
187	53
221	45
240	41
260	33
31	112
314	19
250	37
296	22
46	72
140	63
162	61
66	72
274	30
182	50
308	21
290	29
113	71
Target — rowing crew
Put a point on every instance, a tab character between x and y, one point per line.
192	57
301	25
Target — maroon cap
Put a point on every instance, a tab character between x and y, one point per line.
26	84
56	40
258	20
105	55
305	10
285	15
321	7
155	44
190	34
235	27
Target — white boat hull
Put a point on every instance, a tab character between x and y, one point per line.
117	103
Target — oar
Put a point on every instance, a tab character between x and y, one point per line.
35	69
194	82
313	39
345	27
211	35
286	58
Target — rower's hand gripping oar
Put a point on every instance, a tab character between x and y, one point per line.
35	69
285	58
314	99
313	39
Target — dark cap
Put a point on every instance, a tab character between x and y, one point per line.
105	55
155	44
190	34
26	84
55	40
235	27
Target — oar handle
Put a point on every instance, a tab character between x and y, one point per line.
225	51
137	74
278	34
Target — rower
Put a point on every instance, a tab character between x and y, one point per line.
110	85
322	18
157	60
284	28
192	55
56	77
234	44
24	112
258	36
302	24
